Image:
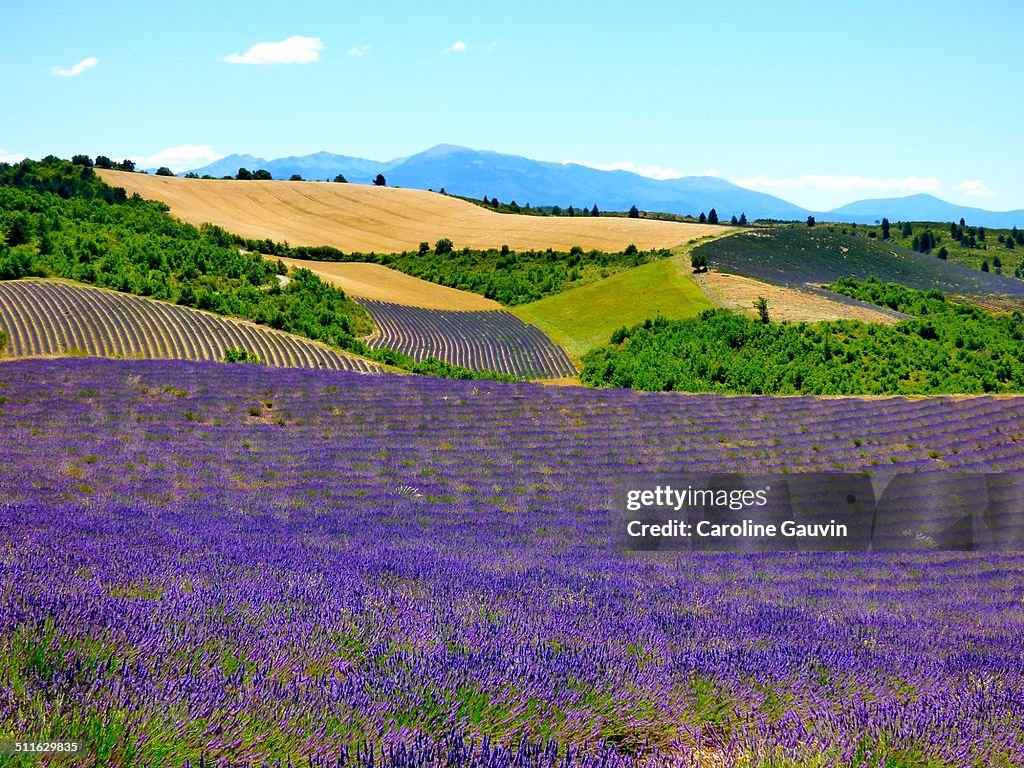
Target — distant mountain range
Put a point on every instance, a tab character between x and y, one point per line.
475	173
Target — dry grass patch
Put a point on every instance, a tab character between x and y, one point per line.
356	217
380	283
739	294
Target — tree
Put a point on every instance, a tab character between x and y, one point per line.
885	228
262	175
571	211
163	170
295	177
340	179
379	180
713	217
761	305
734	221
907	230
962	222
630	250
594	211
942	253
486	201
702	219
424	247
810	221
984	266
743	220
102	161
244	174
82	160
699	262
556	210
191	175
444	245
634	213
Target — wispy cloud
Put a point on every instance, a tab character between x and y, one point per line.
359	50
650	171
82	66
181	158
975	188
457	47
10	157
903	185
293	50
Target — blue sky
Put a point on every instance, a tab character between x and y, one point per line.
820	103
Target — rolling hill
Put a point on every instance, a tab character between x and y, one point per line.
800	256
476	173
53	317
355	217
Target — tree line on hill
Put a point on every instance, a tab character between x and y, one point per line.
507	276
937	351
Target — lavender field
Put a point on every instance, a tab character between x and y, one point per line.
242	565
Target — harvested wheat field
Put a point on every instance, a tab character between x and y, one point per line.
355	217
380	283
739	294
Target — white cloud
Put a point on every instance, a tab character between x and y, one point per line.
293	50
182	158
650	171
904	185
10	157
975	188
76	70
359	50
457	47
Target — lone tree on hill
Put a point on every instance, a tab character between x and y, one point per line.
295	177
340	179
444	245
163	170
380	181
761	305
634	213
713	216
810	221
699	262
82	160
885	229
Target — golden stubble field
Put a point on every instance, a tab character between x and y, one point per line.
739	294
356	217
377	282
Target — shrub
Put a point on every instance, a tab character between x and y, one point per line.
236	355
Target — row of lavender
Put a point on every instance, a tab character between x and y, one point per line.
49	317
487	340
237	565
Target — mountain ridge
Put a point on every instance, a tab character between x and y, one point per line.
483	173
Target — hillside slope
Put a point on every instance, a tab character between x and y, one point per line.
355	217
53	318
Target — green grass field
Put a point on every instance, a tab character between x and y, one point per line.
583	318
